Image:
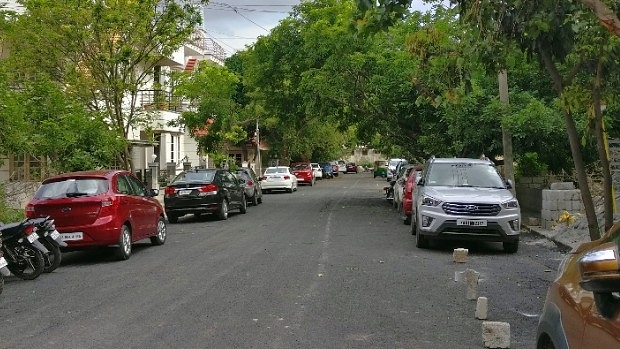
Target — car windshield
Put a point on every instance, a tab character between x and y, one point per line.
72	187
464	175
301	167
200	176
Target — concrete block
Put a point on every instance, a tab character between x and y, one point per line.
471	280
533	221
482	306
458	276
496	334
460	255
562	186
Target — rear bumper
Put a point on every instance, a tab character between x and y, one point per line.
103	232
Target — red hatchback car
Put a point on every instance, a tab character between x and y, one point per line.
100	208
408	192
304	173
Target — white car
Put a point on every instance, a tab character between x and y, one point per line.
279	178
342	166
318	171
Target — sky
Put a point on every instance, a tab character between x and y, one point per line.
233	24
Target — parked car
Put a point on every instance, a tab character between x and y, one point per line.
304	173
204	191
399	186
335	168
393	167
342	166
351	167
251	183
328	171
380	169
465	199
408	192
279	178
100	208
317	169
582	308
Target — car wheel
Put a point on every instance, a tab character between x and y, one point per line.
420	240
260	200
173	218
511	247
244	205
123	251
290	190
222	214
160	237
255	199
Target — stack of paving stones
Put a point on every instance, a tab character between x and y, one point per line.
560	197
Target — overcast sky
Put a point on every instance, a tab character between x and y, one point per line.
237	23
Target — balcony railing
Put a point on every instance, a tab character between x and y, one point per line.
161	100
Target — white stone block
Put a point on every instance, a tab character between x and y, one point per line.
482	306
562	186
460	255
471	279
496	334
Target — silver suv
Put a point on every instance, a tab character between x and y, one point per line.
465	199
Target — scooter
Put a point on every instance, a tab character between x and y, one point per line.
51	240
22	250
389	191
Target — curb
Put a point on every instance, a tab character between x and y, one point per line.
549	235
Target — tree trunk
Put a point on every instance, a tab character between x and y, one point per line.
575	147
601	143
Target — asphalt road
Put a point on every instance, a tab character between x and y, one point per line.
329	266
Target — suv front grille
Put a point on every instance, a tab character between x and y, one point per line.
468	209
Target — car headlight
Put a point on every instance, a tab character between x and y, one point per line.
430	201
512	204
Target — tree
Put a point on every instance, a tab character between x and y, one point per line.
100	52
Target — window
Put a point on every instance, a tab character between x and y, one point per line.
27	168
172	148
238	158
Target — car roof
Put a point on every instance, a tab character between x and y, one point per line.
108	173
461	160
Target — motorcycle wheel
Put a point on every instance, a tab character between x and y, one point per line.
53	258
29	264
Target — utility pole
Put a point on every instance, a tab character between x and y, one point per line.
258	160
509	172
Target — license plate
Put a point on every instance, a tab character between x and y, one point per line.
55	234
184	192
72	236
472	222
3	262
33	237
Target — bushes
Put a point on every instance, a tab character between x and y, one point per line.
529	165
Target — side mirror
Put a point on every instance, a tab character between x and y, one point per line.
508	184
600	273
153	192
600	269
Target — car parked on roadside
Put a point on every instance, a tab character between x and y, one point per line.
351	167
393	167
582	307
304	173
100	208
399	186
251	183
342	166
204	191
408	192
317	169
328	171
279	178
465	199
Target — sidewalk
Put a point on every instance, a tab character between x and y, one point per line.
567	237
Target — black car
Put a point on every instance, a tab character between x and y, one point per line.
253	188
202	191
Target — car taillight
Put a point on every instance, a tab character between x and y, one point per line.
169	191
249	183
108	204
287	177
29	210
209	189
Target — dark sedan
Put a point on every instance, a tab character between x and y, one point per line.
202	191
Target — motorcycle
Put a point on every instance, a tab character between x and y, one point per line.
389	191
22	250
4	271
50	238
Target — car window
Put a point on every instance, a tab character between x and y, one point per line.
72	187
301	167
137	188
464	174
198	176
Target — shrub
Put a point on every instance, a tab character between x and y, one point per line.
529	165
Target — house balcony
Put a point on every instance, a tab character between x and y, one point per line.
161	100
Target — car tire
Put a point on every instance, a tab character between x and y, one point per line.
244	205
255	199
420	240
173	218
123	251
160	237
260	199
511	247
222	213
